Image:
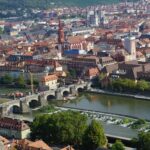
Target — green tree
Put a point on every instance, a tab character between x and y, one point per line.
39	128
20	81
94	136
1	31
60	128
130	84
138	124
118	145
142	85
6	79
144	141
73	73
35	82
101	76
42	4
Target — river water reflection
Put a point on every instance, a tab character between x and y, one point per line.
113	104
109	104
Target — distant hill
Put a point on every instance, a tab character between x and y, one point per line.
4	4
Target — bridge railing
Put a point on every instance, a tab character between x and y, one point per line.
8	103
40	93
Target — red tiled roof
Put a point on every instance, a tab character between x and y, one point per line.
147	51
39	145
41	43
75	39
24	141
139	54
13	124
60	74
92	72
67	148
23	144
49	78
28	53
4	140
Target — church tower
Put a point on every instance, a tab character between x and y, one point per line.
130	46
61	36
61	39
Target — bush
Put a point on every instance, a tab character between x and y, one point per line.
137	124
94	136
118	145
60	128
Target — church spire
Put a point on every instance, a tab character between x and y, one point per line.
61	36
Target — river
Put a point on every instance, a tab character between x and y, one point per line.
113	104
108	104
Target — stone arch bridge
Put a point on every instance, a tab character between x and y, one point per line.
25	104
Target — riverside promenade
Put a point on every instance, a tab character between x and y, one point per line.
140	97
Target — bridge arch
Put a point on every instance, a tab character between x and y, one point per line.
15	109
65	92
80	89
33	103
50	97
89	85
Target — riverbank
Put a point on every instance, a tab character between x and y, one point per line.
114	119
100	91
3	100
117	113
112	111
111	123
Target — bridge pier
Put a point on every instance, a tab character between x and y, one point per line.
3	111
42	101
24	108
73	91
24	103
88	86
58	95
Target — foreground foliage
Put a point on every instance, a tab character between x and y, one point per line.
144	141
47	109
118	145
61	128
69	127
94	136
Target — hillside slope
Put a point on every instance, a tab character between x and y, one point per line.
4	4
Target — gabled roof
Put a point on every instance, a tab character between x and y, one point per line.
49	78
107	58
13	124
39	144
92	71
4	140
75	39
24	142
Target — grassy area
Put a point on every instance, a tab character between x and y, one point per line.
140	123
3	100
47	109
4	90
